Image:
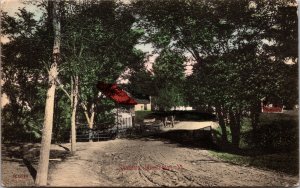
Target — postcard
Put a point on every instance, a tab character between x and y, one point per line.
135	93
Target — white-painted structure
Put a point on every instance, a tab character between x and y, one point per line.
144	104
142	107
124	120
182	108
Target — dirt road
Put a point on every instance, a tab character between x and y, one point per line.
149	162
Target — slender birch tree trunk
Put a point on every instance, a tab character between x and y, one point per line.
74	102
42	172
86	114
92	111
89	118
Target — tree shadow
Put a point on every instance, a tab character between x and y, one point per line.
180	138
67	149
27	155
30	168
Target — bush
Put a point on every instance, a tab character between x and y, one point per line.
276	132
277	135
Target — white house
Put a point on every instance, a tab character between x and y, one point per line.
144	103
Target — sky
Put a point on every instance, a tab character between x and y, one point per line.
12	6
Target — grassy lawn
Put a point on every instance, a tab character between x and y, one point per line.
276	146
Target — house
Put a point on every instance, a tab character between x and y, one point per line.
143	103
271	105
124	102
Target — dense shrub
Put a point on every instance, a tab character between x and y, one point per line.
276	132
278	135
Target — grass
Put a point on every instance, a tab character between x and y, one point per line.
139	115
281	162
275	149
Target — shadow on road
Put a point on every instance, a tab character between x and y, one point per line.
30	168
67	149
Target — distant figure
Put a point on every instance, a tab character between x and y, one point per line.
166	121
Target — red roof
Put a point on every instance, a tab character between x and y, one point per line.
272	109
115	93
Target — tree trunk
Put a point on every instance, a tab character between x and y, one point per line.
92	111
255	111
235	127
254	116
42	172
222	124
86	114
89	119
74	101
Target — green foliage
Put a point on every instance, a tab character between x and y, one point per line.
104	117
168	71
282	162
164	83
141	82
96	45
276	132
275	145
62	118
168	68
231	35
168	97
23	75
238	48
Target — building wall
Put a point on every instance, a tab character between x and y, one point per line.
182	108
124	120
142	107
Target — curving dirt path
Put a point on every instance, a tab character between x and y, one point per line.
124	162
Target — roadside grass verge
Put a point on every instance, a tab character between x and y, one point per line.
274	147
281	162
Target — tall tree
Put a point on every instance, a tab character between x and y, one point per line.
42	172
228	40
101	47
168	78
23	79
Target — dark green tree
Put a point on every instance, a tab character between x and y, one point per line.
98	46
23	81
168	78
